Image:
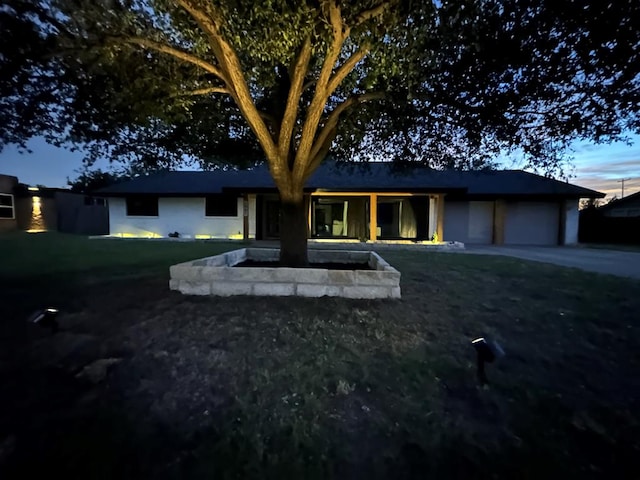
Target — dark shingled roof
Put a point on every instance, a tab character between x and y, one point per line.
621	202
379	176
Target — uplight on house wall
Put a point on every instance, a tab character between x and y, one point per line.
141	235
36	224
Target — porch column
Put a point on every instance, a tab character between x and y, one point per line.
245	217
308	205
440	219
373	217
433	213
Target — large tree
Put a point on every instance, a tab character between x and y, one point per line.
443	83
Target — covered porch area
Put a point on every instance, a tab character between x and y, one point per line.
344	216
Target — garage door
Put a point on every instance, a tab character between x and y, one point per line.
531	223
468	222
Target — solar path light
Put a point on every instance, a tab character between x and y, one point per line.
487	352
46	318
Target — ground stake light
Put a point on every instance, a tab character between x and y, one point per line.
487	352
46	318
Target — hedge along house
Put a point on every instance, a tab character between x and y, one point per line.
374	202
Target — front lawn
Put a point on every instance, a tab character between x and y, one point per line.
28	256
250	387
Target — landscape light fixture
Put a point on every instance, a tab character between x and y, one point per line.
46	318
487	352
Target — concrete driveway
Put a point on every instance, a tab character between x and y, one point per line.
614	262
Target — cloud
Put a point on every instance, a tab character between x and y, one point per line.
609	186
600	167
610	169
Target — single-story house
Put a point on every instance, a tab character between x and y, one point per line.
353	202
628	206
42	209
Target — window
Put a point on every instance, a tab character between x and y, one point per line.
89	201
221	206
339	217
329	217
6	206
142	206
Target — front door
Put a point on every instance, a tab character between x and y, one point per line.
272	218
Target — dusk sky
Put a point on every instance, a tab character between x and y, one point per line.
596	166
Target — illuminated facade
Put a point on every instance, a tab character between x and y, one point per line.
352	204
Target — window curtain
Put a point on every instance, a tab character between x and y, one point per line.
357	218
408	226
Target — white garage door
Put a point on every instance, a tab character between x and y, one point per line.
480	222
468	222
531	223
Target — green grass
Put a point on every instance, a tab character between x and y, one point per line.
248	387
31	255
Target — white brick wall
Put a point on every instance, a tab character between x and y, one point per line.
183	215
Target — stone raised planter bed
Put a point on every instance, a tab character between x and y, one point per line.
219	276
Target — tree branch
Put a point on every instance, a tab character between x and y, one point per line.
176	53
318	154
211	28
310	126
293	98
270	119
235	80
331	124
308	85
376	11
203	91
346	68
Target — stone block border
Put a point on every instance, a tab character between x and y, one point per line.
217	276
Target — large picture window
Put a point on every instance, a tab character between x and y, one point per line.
339	217
221	205
6	206
142	206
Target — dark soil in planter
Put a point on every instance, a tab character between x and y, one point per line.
327	266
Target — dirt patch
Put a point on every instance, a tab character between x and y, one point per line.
325	266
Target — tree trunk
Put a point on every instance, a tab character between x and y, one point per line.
293	234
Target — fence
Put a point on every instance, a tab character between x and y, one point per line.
594	227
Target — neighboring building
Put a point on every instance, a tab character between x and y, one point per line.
41	209
374	202
615	222
628	206
7	203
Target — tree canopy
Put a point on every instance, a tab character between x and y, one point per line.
444	83
89	180
447	83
